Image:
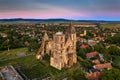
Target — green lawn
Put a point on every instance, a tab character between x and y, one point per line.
12	53
39	69
36	69
31	67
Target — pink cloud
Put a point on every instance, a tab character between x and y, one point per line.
53	12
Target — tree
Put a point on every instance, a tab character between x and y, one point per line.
113	40
82	53
114	50
34	46
99	47
79	75
112	74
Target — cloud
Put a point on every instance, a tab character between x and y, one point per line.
79	5
76	8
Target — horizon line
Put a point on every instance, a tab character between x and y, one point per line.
62	18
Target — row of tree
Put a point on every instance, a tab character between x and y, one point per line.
113	39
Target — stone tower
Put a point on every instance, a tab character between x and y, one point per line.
64	49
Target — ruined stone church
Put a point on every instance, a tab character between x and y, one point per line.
61	49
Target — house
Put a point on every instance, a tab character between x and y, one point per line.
92	42
91	54
26	43
4	35
84	34
99	38
93	76
83	46
105	34
112	34
81	39
96	61
102	66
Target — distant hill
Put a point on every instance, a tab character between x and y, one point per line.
34	20
50	20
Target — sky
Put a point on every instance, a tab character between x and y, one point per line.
68	9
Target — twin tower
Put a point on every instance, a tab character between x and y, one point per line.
62	48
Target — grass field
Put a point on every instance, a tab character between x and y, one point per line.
37	69
110	25
12	53
31	67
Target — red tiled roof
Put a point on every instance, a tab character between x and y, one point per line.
99	38
96	61
91	54
4	35
93	76
84	46
93	43
102	66
26	43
